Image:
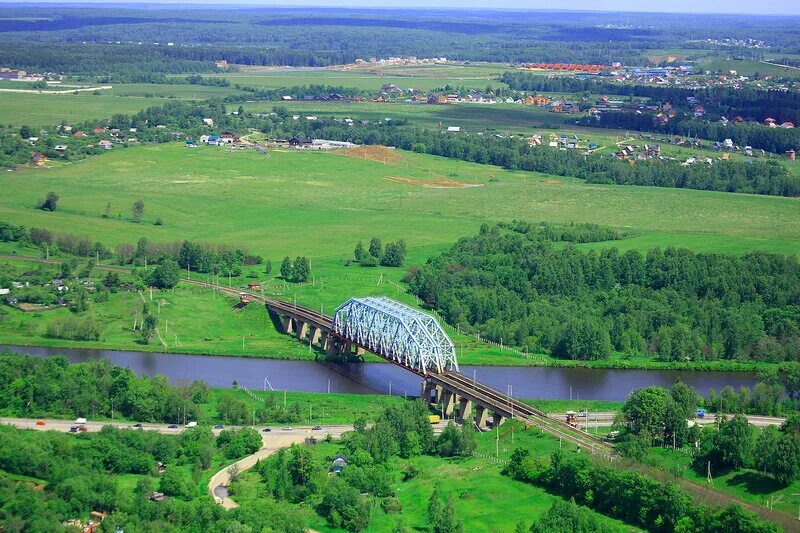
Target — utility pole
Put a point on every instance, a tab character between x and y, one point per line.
112	408
284	399
390	387
497	442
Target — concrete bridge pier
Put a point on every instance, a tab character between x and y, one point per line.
497	420
447	403
302	330
464	409
288	324
426	388
481	413
316	335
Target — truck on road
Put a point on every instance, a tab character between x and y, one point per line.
191	425
80	420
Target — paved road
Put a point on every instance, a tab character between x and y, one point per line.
65	425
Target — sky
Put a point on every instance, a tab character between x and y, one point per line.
764	7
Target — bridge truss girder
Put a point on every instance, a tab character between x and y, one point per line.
396	331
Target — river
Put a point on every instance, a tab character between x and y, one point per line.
362	378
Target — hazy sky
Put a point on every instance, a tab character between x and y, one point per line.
764	7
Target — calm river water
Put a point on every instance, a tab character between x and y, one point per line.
360	378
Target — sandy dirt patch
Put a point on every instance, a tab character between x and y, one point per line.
382	154
438	183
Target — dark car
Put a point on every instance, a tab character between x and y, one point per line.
173	426
137	425
266	430
219	426
317	428
288	428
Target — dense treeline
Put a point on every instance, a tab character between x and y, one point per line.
75	474
654	415
36	387
579	304
776	393
630	496
758	177
366	469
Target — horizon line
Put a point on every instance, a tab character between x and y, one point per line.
311	4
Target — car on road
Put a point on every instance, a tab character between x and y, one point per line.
288	428
172	426
219	426
266	430
137	425
700	413
583	414
83	428
317	428
40	422
73	429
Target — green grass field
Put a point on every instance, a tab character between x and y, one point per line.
48	110
320	204
182	91
749	68
423	77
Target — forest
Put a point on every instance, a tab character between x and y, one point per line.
49	478
522	290
630	496
52	387
101	40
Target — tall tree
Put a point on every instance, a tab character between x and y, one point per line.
287	269
376	248
138	210
49	203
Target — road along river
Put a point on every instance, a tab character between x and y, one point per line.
363	378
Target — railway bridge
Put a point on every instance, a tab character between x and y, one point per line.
416	342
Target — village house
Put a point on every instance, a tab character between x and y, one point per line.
106	144
98	130
300	142
391	89
254	286
339	462
38	159
228	137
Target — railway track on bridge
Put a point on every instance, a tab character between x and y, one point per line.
526	413
521	411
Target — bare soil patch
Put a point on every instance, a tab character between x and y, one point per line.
382	154
438	183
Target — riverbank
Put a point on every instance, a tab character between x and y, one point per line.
201	321
554	383
254	349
